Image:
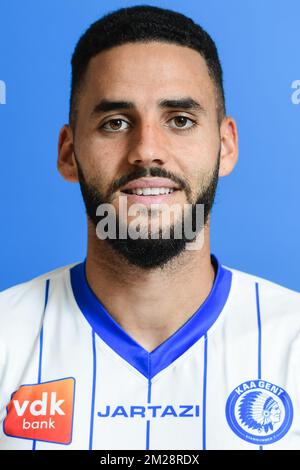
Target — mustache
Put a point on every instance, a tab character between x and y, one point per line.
140	172
143	172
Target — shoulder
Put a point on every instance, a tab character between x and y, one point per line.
22	305
272	299
265	284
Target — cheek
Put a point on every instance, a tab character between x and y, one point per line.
199	153
97	162
197	168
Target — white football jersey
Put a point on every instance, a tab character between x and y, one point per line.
72	378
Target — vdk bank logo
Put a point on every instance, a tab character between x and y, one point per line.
259	412
42	412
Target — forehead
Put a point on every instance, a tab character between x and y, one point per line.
148	70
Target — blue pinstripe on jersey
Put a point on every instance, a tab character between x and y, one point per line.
41	344
259	328
259	333
204	394
93	391
148	401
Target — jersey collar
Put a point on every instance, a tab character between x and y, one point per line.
150	363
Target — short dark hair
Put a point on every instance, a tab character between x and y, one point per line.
143	23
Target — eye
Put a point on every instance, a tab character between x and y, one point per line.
114	125
181	122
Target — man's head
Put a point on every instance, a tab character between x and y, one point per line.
142	24
147	101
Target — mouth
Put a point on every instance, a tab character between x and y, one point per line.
149	196
150	190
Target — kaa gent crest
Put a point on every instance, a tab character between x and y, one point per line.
259	412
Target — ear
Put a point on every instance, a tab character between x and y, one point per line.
229	146
66	162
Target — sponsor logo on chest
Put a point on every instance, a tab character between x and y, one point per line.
150	411
42	412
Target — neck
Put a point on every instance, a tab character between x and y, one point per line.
150	305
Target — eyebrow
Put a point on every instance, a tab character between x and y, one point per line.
185	103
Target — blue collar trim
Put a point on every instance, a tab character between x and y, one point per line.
150	363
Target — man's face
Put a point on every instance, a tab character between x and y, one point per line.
168	129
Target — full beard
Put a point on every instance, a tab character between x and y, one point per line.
150	252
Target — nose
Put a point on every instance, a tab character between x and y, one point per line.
148	145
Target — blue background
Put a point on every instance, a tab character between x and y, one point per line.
255	221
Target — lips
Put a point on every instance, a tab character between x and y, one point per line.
150	185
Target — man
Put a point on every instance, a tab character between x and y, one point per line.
150	343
